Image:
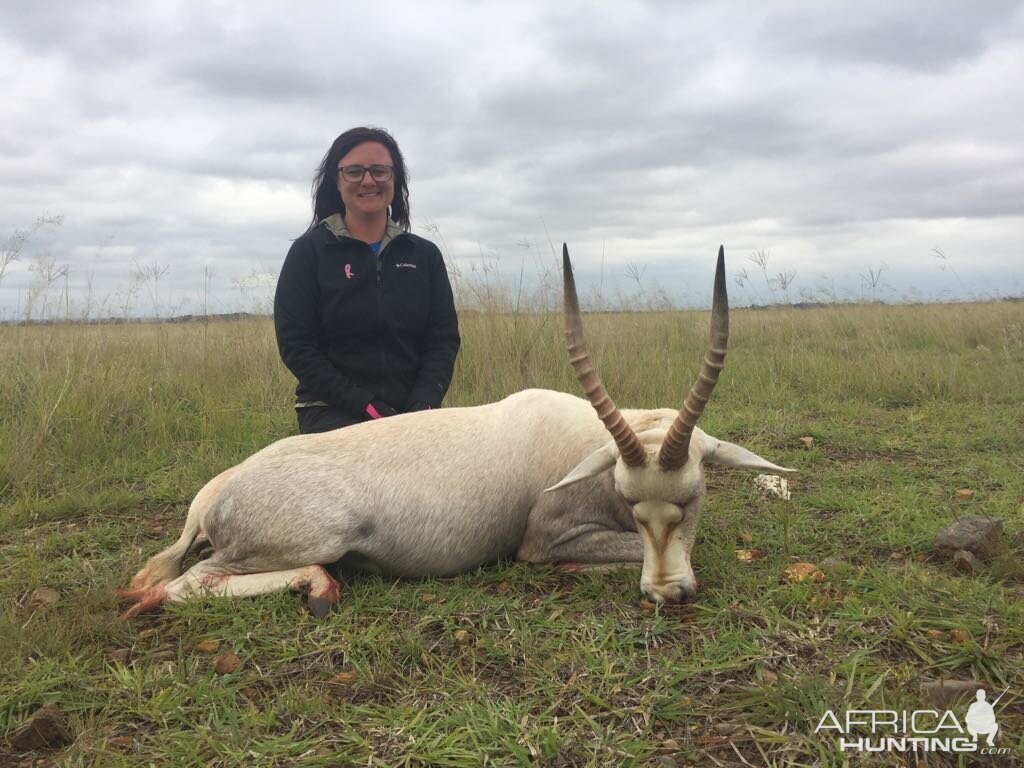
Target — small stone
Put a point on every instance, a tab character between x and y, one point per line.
981	536
46	729
462	637
960	636
807	441
963	494
226	663
207	646
965	562
942	693
748	555
936	634
746	538
772	486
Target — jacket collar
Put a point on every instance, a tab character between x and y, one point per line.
335	224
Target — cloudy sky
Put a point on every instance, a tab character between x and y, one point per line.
848	143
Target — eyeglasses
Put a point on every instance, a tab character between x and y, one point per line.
356	172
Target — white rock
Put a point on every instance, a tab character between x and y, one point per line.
772	486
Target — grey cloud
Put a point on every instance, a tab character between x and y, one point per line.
187	134
936	36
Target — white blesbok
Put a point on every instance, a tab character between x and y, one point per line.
433	493
658	473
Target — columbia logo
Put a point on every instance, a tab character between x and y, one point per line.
406	265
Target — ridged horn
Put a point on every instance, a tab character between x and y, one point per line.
676	448
630	447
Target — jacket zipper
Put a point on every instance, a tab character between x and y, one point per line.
378	257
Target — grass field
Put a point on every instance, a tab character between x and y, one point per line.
106	432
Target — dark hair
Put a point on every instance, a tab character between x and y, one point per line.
327	199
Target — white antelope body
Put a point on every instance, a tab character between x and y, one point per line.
434	493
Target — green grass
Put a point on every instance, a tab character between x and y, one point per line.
106	432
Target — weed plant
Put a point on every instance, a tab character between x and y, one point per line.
106	432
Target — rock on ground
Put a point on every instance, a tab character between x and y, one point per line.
47	728
772	486
965	562
981	536
941	694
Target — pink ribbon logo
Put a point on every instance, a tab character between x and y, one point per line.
348	271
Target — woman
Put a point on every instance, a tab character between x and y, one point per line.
363	311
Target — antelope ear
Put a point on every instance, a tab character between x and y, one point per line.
731	455
596	463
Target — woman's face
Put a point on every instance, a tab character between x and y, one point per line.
366	198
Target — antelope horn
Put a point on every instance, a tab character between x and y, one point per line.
629	444
676	447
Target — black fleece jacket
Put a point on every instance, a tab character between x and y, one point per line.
354	327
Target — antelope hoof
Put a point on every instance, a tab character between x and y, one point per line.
320	607
672	594
146	599
324	591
